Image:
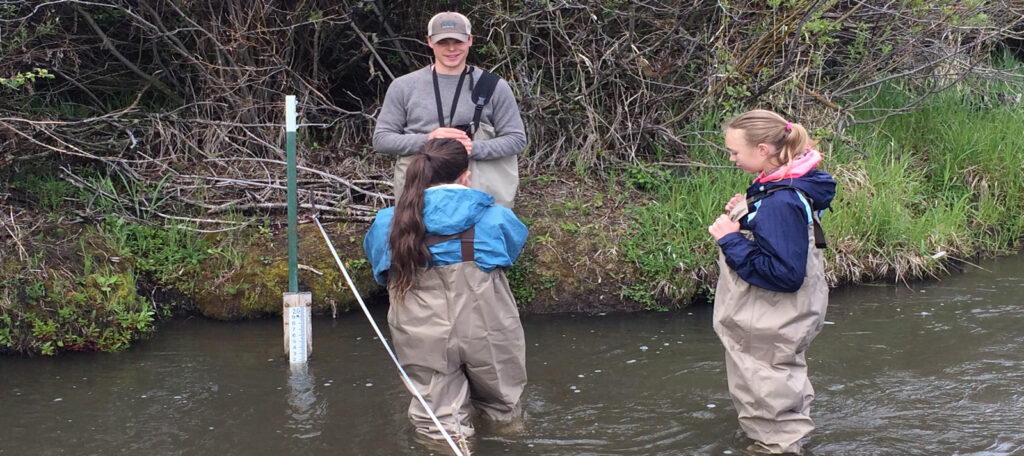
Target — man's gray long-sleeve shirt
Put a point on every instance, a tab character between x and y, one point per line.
409	113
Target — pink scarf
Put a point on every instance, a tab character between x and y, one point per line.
801	165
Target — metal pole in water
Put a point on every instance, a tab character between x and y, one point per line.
384	341
298	327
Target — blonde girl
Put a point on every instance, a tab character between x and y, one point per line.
771	296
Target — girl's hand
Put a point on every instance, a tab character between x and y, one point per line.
736	199
723	225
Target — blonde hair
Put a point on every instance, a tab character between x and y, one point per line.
762	126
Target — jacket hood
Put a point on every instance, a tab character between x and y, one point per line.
453	208
817	185
799	166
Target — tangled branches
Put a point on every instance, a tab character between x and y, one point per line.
181	101
608	81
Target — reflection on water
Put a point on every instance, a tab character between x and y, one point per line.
933	368
305	411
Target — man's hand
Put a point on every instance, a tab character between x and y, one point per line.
723	225
453	133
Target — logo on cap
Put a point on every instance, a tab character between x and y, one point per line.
448	25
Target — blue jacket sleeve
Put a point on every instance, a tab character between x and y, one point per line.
776	259
375	244
500	238
515	235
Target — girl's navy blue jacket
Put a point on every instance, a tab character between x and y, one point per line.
776	259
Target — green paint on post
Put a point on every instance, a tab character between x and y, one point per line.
293	199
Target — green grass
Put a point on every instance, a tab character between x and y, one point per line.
164	254
42	186
670	241
948	177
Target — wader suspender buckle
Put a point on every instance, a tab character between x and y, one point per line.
819	233
467	241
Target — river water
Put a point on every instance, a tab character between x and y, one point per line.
929	368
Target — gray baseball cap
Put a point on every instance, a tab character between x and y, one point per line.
449	25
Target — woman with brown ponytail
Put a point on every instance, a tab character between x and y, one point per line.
442	252
771	296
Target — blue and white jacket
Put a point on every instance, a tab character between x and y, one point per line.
776	259
448	209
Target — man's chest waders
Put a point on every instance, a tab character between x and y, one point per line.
498	177
766	334
457	333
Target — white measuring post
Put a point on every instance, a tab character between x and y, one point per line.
298	326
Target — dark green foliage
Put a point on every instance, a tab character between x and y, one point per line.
97	312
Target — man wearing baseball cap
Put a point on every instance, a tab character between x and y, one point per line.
437	101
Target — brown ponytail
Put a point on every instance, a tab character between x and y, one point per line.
439	161
761	126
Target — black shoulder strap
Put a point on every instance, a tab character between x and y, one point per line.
455	98
819	233
467	241
482	94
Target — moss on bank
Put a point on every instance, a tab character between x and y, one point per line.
253	287
572	261
61	304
